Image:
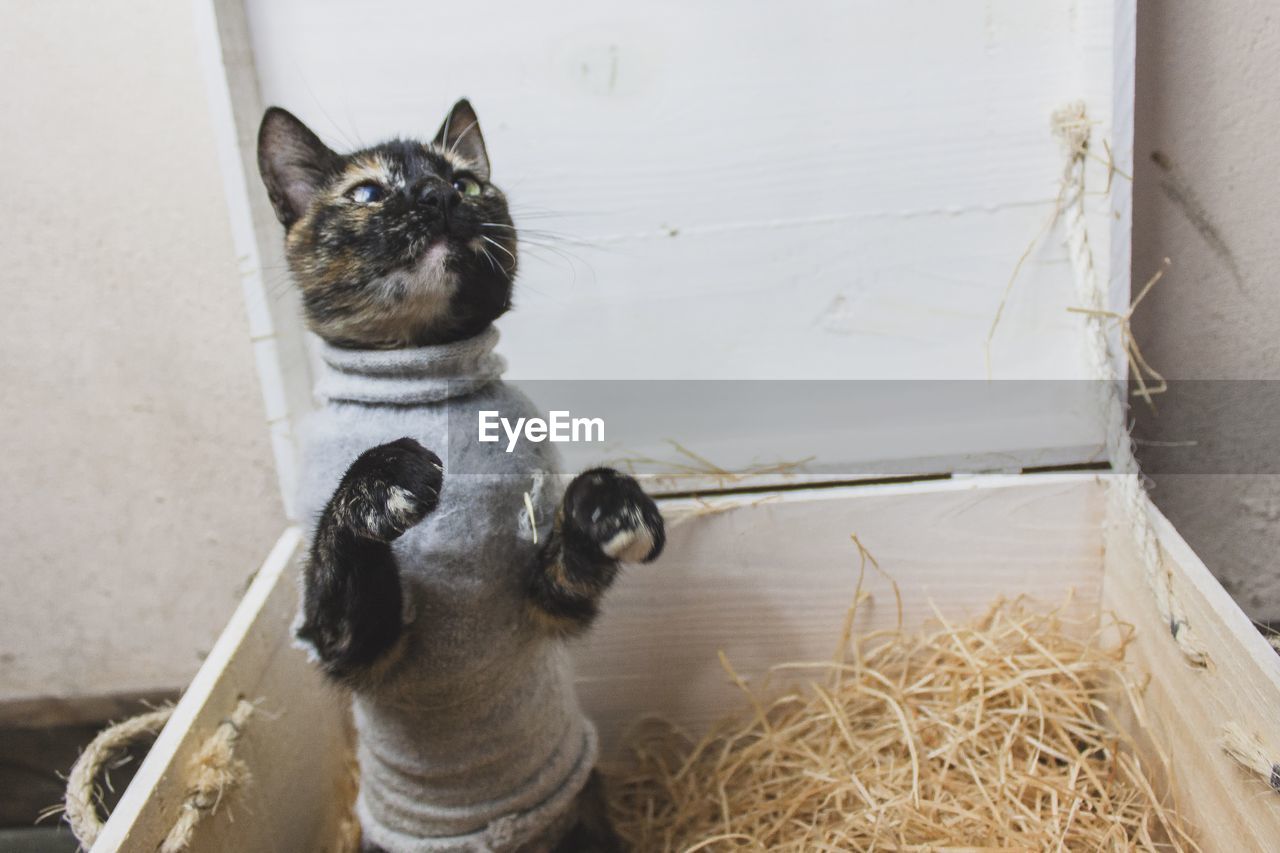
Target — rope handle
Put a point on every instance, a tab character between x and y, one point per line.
1071	124
80	805
212	771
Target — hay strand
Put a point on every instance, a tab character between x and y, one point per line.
698	467
1247	751
1149	381
992	735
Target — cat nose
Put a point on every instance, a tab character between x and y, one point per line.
437	195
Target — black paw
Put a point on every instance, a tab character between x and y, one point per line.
388	489
610	510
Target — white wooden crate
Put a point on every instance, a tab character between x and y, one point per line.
851	184
765	582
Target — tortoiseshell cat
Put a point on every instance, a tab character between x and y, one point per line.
418	594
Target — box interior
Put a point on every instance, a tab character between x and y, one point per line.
767	579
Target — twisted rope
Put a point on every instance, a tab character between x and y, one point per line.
212	771
1072	126
1248	753
80	805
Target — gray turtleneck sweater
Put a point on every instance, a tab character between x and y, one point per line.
474	740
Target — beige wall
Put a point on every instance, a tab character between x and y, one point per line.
1206	100
138	490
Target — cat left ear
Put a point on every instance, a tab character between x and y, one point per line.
460	135
294	163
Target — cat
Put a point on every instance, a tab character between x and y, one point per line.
421	593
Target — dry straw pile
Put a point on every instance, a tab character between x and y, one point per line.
995	735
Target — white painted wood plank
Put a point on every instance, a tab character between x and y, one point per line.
862	173
832	190
294	744
1187	708
1125	47
279	343
769	581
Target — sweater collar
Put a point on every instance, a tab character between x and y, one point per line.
409	376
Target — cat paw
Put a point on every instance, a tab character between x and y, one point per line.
388	489
610	510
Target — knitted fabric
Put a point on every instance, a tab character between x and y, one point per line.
473	740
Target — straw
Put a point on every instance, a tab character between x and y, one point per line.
992	735
699	467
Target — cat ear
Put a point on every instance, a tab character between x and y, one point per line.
460	134
294	163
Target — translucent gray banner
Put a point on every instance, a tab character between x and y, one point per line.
756	431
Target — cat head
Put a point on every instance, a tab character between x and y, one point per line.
406	243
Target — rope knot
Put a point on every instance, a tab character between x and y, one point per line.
212	771
1071	124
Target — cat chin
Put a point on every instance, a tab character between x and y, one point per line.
401	304
428	276
431	269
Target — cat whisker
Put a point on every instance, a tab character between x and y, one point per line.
539	235
483	252
570	259
534	251
522	211
542	238
522	229
498	245
559	246
337	128
551	241
276	282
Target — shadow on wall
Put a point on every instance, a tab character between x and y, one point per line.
1204	196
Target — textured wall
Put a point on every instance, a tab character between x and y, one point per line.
1207	181
139	492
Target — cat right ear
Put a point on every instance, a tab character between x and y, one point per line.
294	163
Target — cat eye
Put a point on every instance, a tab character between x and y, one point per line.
466	185
366	193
